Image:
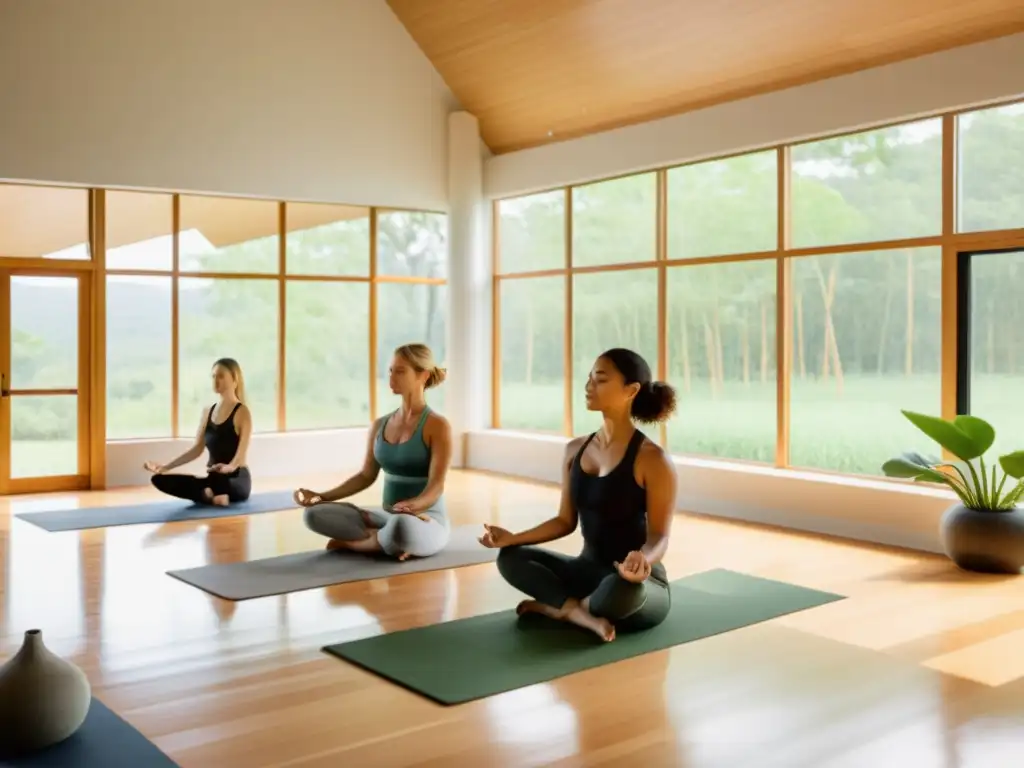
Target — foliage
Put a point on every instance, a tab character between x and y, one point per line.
968	438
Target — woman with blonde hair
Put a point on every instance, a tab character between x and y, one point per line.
413	446
224	431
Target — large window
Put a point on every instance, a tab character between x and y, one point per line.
139	231
44	222
409	313
724	206
285	289
235	318
222	234
328	240
139	357
327	350
610	309
798	298
412	244
993	362
721	358
875	186
532	385
866	343
613	221
991	159
532	232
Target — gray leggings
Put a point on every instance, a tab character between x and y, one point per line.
397	533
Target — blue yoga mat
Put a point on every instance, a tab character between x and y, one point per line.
154	512
103	741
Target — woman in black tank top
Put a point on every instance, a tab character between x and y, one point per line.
224	432
621	488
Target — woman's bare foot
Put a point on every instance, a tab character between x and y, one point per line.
208	495
337	544
221	500
535	606
573	612
582	617
402	556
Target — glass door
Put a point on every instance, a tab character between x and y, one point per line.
44	381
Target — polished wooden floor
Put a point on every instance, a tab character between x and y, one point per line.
923	666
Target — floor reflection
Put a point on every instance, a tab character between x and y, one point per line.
224	683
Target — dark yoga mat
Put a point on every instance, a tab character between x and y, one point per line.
103	741
320	568
154	512
467	659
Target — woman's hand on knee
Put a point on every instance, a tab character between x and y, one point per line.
306	498
635	568
496	538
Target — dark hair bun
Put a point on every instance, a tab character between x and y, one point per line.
654	403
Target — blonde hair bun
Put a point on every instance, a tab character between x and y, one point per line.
420	357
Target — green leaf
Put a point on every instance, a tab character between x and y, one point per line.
932	476
908	465
915	466
1013	464
979	430
948	435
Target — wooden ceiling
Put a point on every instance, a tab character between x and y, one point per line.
536	71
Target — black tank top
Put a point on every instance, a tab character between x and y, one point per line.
612	509
221	439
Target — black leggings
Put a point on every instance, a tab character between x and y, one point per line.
552	578
237	486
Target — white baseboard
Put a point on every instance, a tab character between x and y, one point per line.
879	511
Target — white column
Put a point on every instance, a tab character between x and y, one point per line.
467	401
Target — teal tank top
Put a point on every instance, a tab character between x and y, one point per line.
406	465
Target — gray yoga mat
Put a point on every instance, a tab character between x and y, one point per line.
103	741
154	512
320	568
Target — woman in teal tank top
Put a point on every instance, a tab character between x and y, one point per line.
413	446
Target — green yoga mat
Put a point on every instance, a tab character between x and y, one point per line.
467	659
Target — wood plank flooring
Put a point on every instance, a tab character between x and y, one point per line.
923	666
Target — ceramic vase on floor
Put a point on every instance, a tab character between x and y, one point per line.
43	698
984	542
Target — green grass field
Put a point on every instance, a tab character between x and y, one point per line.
853	432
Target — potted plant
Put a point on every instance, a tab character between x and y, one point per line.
985	531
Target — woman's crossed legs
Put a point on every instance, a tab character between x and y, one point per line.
583	591
377	530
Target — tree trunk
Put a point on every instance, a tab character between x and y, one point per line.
831	350
745	349
717	333
764	341
684	351
709	350
800	349
886	312
908	368
991	337
529	343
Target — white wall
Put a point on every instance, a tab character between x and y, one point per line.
961	77
885	512
323	100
